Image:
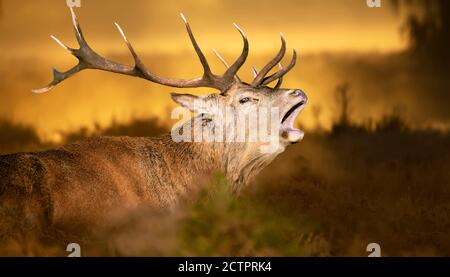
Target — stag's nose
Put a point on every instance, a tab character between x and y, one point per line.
300	94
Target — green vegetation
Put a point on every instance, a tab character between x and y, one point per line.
220	224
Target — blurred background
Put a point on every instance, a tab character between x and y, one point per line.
372	168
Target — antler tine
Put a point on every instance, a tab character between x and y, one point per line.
206	68
57	78
224	62
280	80
65	47
233	69
282	71
79	34
259	78
254	71
138	63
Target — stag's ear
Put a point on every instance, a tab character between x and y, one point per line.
197	104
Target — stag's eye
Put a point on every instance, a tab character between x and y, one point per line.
247	99
244	100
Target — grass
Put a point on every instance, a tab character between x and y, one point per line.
220	224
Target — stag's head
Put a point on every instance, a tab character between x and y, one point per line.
234	93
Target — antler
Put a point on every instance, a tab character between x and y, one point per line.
224	62
89	59
282	71
280	79
260	77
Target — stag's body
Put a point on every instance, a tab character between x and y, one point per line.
81	184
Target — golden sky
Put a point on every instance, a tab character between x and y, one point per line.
316	28
309	25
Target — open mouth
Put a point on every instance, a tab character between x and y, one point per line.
287	123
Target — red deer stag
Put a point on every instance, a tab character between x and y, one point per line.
80	183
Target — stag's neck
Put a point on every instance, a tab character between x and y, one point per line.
243	161
240	162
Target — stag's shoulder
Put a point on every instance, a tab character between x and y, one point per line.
113	149
20	174
101	144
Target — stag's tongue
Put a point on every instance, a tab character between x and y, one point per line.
293	135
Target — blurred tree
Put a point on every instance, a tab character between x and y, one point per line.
16	137
138	127
343	100
317	111
427	28
343	124
393	122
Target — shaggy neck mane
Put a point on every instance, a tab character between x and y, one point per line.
239	161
